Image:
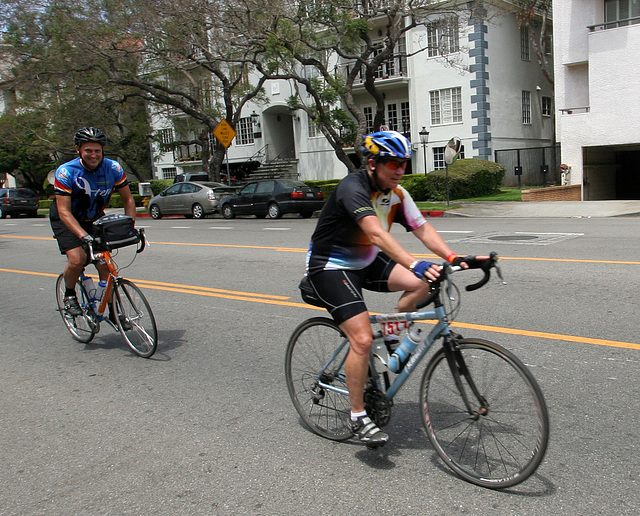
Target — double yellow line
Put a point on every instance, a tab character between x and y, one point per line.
254	297
270	299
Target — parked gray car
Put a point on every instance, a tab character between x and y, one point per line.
14	201
191	199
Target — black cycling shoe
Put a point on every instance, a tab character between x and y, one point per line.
368	432
71	306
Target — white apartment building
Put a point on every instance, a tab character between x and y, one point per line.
597	74
495	100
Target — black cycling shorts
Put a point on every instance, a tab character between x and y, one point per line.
341	290
66	238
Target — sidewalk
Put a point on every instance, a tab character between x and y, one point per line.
550	209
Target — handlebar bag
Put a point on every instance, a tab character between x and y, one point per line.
115	231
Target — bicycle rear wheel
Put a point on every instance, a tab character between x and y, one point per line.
314	369
135	319
504	439
82	327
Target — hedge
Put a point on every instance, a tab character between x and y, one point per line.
467	178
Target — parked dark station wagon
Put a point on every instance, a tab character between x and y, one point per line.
273	197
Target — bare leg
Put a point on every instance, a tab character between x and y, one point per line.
414	288
358	331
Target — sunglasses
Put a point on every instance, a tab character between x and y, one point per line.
394	165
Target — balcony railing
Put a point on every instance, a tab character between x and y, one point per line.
576	110
614	24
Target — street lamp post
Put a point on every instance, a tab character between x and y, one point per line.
424	141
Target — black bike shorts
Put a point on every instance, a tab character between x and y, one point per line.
66	238
341	290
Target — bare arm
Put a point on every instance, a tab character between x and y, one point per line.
63	203
432	240
128	201
384	240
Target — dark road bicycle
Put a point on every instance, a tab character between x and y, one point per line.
482	409
132	315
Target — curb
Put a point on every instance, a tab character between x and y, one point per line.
433	213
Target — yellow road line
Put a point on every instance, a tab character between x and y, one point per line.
283	301
304	250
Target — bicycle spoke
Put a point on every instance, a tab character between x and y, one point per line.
309	366
504	442
135	319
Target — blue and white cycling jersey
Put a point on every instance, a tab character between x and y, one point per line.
90	191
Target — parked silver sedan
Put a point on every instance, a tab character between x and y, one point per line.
192	199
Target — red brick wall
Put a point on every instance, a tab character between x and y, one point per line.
553	193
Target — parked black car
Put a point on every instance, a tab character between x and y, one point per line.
14	201
273	197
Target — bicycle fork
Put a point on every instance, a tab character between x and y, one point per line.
459	369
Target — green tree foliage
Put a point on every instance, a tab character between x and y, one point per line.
58	89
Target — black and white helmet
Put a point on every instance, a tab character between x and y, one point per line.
90	134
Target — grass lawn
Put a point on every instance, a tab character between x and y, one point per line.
506	194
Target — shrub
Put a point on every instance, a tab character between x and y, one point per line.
326	185
116	200
467	178
158	185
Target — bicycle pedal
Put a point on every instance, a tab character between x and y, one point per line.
375	446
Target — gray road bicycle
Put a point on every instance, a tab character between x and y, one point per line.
482	409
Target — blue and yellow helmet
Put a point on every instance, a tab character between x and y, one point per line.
387	144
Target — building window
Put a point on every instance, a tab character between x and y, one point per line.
446	106
312	127
392	117
618	13
526	107
438	157
524	44
245	131
166	139
368	117
443	36
546	106
405	118
169	173
395	66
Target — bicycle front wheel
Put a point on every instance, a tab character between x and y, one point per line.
314	369
135	320
501	440
82	327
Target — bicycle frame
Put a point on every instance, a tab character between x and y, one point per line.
113	276
442	328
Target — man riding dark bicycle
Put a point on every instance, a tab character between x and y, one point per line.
83	188
351	249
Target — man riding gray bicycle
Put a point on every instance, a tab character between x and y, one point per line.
352	248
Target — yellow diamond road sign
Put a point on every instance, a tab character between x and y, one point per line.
225	133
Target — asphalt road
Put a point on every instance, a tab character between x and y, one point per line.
206	426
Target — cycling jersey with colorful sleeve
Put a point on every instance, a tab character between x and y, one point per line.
338	243
90	191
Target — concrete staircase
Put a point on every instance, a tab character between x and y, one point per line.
280	169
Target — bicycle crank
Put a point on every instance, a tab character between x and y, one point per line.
377	405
